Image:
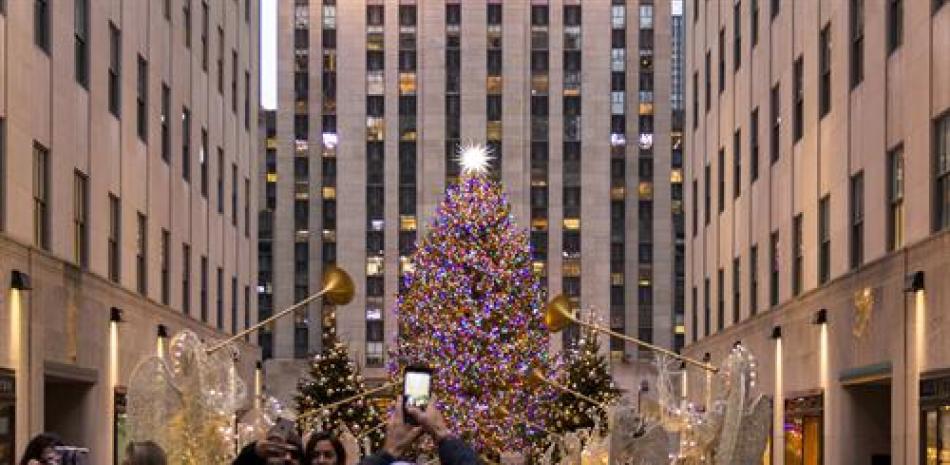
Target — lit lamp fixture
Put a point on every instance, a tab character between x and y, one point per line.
20	281
162	337
821	317
115	315
777	332
913	282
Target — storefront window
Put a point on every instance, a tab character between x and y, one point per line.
7	417
803	430
935	416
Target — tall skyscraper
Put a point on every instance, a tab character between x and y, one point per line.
127	193
577	105
818	144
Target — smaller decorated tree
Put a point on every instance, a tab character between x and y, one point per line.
586	371
334	377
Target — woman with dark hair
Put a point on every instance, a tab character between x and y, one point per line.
144	453
41	450
324	448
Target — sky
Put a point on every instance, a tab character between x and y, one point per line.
269	54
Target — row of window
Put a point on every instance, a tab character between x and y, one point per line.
895	218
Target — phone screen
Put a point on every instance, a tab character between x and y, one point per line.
416	390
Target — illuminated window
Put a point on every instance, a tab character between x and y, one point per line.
616	279
374	83
571	268
407	223
646	108
645	190
617	193
676	176
617	103
493	130
493	84
539	224
329	192
271	177
407	83
374	41
329	235
572	223
539	84
374	266
301	146
538	267
375	128
405	265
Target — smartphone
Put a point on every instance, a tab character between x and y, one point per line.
417	387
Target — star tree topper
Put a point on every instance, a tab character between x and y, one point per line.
474	159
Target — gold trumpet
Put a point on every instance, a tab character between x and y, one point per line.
559	314
535	378
352	398
337	290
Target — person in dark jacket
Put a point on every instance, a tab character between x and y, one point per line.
323	448
281	447
400	436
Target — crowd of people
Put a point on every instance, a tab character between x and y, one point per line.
283	446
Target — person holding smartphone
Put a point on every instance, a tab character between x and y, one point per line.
400	435
41	450
281	447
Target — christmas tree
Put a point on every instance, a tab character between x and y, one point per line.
586	371
472	310
334	377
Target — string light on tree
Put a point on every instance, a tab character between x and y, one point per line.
472	310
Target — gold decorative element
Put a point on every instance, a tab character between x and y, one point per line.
863	308
559	314
337	288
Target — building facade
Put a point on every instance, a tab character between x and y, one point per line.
575	102
818	153
127	200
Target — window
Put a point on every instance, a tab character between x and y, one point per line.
204	289
115	232
41	30
736	163
857	42
81	20
165	266
895	24
141	259
776	121
220	61
942	172
736	290
695	316
167	9
3	176
219	299
247	101
798	257
41	196
722	60
203	162
234	194
80	219
708	78
186	143
186	15
247	207
695	203
141	101
166	114
754	145
938	4
706	312
220	181
775	7
115	64
754	21
186	279
773	268
895	198
824	64
798	97
247	310
695	100
857	220
824	240
722	179
721	300
234	73
204	36
708	194
753	280
234	305
736	36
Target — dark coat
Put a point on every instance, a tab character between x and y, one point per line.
452	451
